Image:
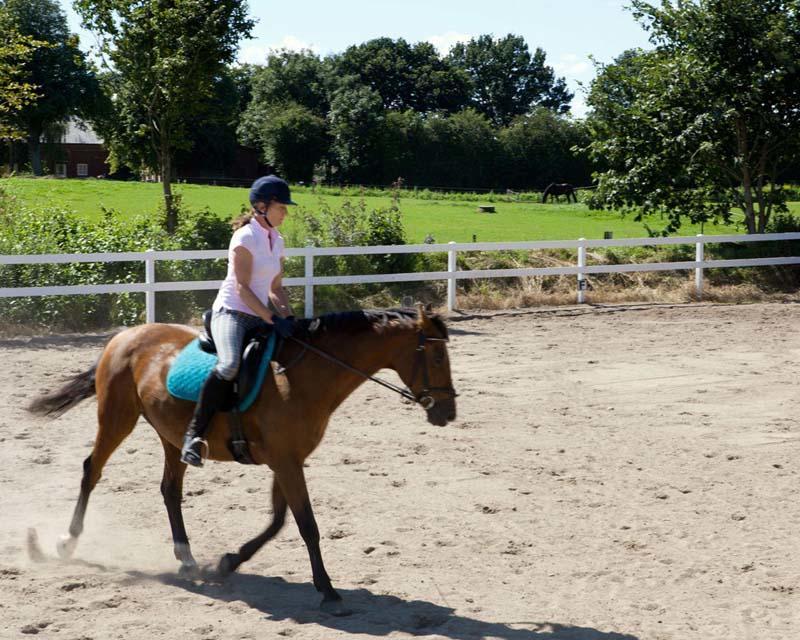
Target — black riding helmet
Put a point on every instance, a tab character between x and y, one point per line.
268	188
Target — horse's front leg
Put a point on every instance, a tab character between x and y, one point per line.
293	483
231	561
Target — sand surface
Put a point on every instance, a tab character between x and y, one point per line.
615	473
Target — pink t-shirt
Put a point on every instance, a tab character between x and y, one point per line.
266	247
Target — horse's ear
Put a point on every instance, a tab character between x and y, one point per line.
429	307
420	313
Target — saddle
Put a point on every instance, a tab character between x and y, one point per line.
195	362
257	344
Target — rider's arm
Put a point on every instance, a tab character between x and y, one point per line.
278	295
242	269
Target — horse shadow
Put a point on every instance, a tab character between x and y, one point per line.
373	614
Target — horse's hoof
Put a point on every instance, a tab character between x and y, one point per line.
189	570
228	564
335	608
66	546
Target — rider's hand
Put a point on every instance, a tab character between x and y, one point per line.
284	327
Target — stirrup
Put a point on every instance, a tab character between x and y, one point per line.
191	456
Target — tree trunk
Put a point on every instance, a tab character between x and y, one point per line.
35	151
747	179
166	181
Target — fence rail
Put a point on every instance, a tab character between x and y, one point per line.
309	280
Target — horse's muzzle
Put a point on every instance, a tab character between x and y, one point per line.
442	412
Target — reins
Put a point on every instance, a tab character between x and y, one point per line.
425	400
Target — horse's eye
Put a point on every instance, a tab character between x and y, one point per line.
438	359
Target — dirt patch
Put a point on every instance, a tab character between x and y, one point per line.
616	473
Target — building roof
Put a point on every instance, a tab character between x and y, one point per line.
79	132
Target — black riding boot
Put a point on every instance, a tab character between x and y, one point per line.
215	391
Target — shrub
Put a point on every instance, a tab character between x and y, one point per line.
27	232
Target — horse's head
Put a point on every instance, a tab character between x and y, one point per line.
424	367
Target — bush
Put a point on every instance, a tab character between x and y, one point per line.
27	232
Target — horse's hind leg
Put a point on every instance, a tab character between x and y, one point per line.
117	413
231	561
172	490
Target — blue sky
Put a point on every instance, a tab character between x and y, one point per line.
569	31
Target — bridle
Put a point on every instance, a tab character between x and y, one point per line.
424	399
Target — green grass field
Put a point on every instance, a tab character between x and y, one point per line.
446	220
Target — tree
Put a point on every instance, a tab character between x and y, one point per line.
507	80
291	137
15	91
405	76
211	134
354	122
65	83
285	118
708	120
291	76
461	150
166	56
538	150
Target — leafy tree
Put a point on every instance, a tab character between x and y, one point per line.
292	138
166	56
291	76
405	76
401	148
65	83
212	133
507	80
708	120
15	91
538	150
354	120
461	150
285	118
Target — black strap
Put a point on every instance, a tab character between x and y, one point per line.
237	444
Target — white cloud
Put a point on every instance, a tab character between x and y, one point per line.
579	108
572	65
446	41
257	51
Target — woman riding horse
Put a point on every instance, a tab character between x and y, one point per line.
254	279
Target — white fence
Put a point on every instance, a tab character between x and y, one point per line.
309	280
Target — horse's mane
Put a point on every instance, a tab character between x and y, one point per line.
377	320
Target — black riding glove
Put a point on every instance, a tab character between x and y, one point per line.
284	327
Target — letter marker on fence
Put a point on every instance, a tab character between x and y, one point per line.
581	274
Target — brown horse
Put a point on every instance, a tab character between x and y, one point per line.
284	425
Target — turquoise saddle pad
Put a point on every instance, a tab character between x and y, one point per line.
193	365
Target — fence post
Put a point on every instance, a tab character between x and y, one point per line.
699	256
309	312
451	282
581	265
150	278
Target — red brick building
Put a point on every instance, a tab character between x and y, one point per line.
79	154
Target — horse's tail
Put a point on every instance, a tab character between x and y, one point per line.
75	390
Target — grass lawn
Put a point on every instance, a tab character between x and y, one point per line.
445	219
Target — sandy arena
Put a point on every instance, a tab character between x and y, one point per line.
615	473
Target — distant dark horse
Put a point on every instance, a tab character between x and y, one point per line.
560	189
